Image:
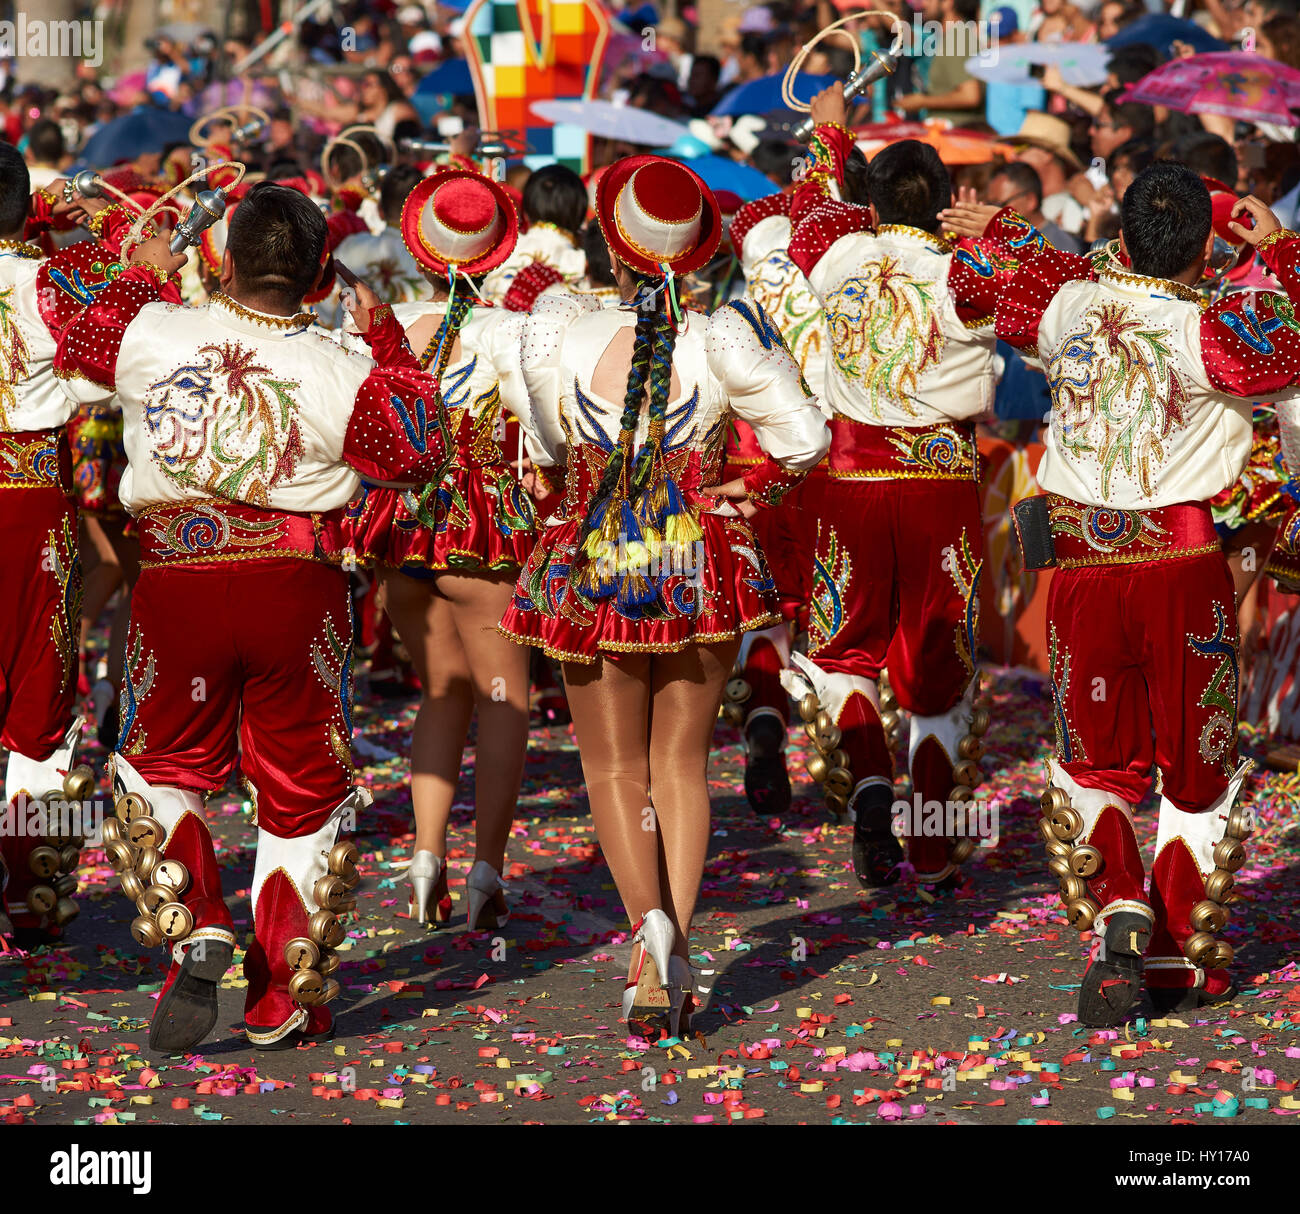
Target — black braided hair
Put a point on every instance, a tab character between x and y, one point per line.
661	379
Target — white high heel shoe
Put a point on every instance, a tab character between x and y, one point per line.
646	988
481	888
425	875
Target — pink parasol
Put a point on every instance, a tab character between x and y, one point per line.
1237	85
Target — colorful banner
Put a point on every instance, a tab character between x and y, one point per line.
521	51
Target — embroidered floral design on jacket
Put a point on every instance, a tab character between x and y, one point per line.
1220	694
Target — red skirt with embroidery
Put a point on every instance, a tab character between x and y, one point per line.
718	588
482	519
98	460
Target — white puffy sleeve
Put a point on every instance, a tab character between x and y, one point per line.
541	343
762	380
504	340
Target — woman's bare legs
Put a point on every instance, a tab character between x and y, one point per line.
423	620
645	727
687	690
103	575
498	672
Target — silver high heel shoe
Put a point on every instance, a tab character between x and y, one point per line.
481	888
646	988
425	875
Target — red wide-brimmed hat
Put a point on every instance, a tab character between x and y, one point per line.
657	213
459	221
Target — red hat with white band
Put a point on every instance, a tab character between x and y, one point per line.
658	216
458	221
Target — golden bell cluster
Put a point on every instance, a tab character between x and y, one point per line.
313	958
829	767
734	696
967	774
53	859
890	718
1211	914
1071	863
133	841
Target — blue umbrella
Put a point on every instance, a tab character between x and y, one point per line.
719	173
1162	31
763	96
450	78
147	128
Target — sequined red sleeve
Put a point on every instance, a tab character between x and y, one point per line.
817	218
89	344
528	284
341	225
755	212
1250	340
40	215
398	430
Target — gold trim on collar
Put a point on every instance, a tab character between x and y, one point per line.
300	321
20	247
1146	282
903	229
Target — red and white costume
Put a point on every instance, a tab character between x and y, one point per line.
899	546
383	262
705	579
1151	419
246	434
543	244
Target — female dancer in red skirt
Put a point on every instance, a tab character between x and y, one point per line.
642	584
448	555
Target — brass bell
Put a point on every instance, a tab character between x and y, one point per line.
60	838
838	779
343	857
329	990
1052	800
1059	867
1086	861
69	857
830	740
41	899
130	807
808	708
1045	829
154	896
329	962
43	861
110	831
79	783
979	722
145	832
967	772
65	911
1219	885
1073	888
324	927
961	794
838	758
837	803
970	747
810	731
737	691
888	699
172	874
132	886
1239	823
824	721
1067	823
175	920
889	721
733	714
1229	854
121	855
306	987
1221	958
329	891
65	885
962	851
146	860
817	767
146	931
1057	848
301	953
1081	913
1199	947
1209	916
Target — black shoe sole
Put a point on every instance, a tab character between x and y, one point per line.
877	862
187	1012
1112	987
291	1041
767	785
